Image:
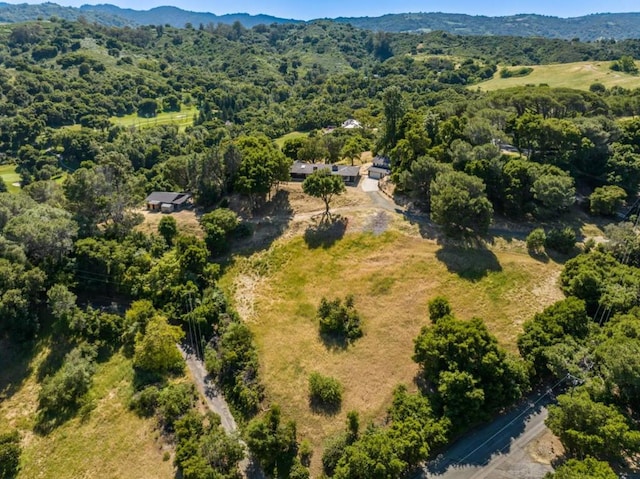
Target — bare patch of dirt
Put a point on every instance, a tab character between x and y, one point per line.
379	223
245	286
546	449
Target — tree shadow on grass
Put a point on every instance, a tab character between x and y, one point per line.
334	342
55	358
325	232
16	366
470	262
323	408
540	256
49	420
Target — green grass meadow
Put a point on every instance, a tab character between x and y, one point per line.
579	75
10	176
290	136
183	119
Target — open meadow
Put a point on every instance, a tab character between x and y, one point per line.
393	268
10	177
578	75
182	119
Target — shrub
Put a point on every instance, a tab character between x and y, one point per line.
219	225
439	307
63	390
333	452
325	391
174	401
155	350
340	319
562	240
10	451
235	365
516	72
145	402
536	241
606	200
305	451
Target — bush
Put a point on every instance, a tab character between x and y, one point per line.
536	241
563	241
235	365
606	200
10	451
145	402
325	391
333	452
516	72
156	351
174	401
63	390
339	319
219	225
439	307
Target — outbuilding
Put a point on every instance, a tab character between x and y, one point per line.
168	201
377	173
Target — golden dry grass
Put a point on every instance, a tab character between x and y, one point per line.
110	442
393	276
186	220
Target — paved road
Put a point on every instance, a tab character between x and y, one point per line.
214	399
498	450
215	402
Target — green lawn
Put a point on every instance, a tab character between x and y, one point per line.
9	175
579	75
289	136
182	119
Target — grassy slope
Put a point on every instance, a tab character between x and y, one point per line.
579	75
182	119
9	175
392	276
290	136
108	442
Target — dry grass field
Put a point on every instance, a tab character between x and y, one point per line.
186	220
393	270
108	442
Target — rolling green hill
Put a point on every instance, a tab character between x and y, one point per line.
578	75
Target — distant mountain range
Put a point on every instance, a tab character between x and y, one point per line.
590	27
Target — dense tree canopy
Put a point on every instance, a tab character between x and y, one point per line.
460	205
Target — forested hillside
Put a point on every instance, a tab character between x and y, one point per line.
616	26
93	300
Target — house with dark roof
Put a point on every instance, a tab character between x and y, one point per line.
381	167
167	201
350	174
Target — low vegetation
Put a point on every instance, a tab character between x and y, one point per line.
325	392
339	319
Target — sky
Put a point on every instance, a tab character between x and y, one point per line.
310	9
